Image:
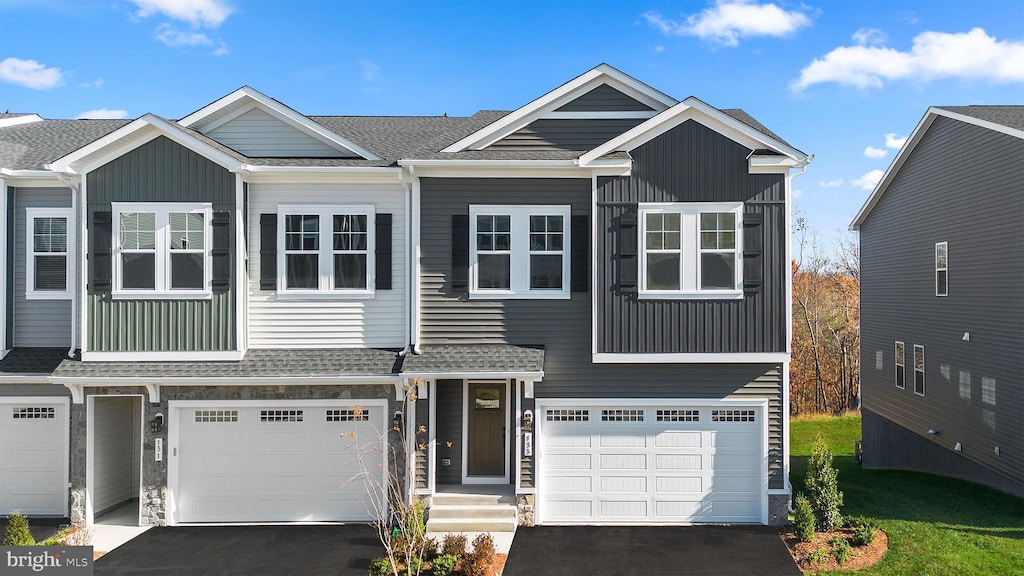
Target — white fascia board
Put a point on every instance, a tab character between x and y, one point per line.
327	174
72	163
31	178
515	120
218	381
693	109
772	162
534	376
283	113
19	120
691	358
23	379
459	168
908	147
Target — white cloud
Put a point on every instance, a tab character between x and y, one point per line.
729	20
866	36
206	13
971	55
869	180
30	74
102	114
369	71
831	183
872	152
893	141
97	83
177	39
797	193
221	50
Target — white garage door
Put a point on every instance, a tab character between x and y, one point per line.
276	462
33	456
650	465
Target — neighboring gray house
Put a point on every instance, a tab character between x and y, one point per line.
582	304
942	300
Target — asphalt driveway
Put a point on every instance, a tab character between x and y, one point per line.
228	550
649	551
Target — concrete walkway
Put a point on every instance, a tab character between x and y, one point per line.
117	527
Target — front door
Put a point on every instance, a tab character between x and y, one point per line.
486	429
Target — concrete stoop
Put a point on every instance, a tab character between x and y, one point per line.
471	512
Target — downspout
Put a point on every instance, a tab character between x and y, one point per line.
408	266
414	219
3	267
75	191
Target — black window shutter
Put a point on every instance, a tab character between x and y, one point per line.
268	252
753	251
383	251
102	240
628	263
460	253
221	253
579	259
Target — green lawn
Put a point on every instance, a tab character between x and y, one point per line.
937	526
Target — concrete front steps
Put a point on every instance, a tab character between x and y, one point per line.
466	509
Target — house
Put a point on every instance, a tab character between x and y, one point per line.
942	303
583	303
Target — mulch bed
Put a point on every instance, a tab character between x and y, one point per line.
860	556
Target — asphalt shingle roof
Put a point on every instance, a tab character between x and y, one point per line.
32	360
468	358
262	363
1009	116
30	146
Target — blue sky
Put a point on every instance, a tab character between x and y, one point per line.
845	81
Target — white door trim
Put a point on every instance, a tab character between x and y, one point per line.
761	404
66	459
90	452
174	407
466	478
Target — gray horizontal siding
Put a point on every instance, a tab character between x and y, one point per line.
548	134
43	323
604	98
692	163
963	185
161	171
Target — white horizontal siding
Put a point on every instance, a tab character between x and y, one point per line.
377	322
258	134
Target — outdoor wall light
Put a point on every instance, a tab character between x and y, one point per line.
157	424
398	421
932	432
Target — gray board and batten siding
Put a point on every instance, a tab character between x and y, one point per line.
161	171
692	163
35	323
563	326
964	185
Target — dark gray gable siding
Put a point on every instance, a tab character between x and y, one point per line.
37	322
560	134
161	171
563	327
604	98
963	185
692	163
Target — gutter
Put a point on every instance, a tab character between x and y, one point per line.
76	190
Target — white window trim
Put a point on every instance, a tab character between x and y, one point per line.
326	289
922	371
162	289
520	251
689	245
30	261
901	361
945	246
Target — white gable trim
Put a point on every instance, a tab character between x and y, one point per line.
76	162
908	147
693	109
17	120
546	104
279	111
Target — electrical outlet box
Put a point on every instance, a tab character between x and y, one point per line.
446	461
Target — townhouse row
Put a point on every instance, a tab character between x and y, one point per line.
253	315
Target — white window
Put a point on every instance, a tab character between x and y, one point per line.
941	269
691	250
965	385
519	251
325	250
919	370
988	390
49	243
901	369
162	250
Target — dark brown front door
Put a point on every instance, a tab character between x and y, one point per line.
486	429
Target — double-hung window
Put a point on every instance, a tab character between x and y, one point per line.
941	269
49	245
327	250
519	251
691	250
162	250
919	369
901	367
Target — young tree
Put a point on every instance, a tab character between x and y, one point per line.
822	484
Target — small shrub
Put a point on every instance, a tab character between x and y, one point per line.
17	533
819	556
413	566
840	549
381	567
430	546
454	545
479	561
864	531
803	518
444	565
823	487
